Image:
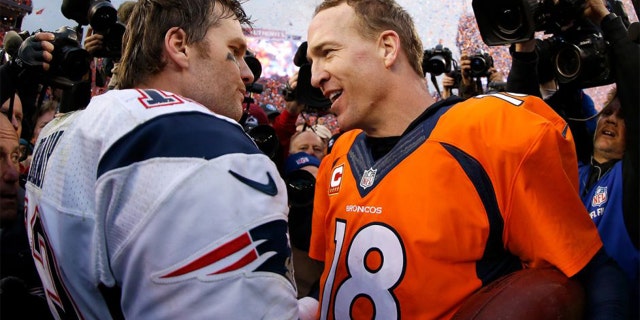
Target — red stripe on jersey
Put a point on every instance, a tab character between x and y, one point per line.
216	255
248	258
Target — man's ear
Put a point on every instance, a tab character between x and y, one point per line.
175	46
389	47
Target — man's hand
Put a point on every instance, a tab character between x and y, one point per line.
36	51
595	10
465	68
527	46
495	76
307	308
93	43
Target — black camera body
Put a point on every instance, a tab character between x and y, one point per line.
580	59
456	74
509	21
437	60
481	62
103	18
70	62
256	69
578	53
305	93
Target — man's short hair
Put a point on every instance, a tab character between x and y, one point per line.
150	20
376	16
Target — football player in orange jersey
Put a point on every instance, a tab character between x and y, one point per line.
423	203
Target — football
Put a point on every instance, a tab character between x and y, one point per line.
526	294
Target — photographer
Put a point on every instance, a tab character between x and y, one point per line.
300	172
94	44
21	73
285	122
465	81
610	169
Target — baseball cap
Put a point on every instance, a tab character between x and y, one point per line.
258	114
270	109
299	160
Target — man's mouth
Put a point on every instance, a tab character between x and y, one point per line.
608	133
335	95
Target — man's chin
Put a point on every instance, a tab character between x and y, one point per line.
8	213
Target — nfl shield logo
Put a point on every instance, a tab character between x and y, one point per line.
599	197
368	178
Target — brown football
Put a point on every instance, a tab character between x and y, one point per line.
526	294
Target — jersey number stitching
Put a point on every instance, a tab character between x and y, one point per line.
374	284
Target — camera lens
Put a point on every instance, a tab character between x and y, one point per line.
437	65
75	62
102	15
478	65
568	62
300	188
509	20
265	138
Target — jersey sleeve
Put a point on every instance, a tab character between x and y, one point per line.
194	230
546	221
320	210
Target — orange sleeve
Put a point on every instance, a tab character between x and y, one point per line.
320	210
546	222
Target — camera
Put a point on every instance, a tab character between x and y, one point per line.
256	68
70	63
305	93
578	58
481	62
266	139
437	60
456	74
578	53
103	18
509	21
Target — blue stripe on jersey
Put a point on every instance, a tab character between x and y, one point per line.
361	159
496	261
177	135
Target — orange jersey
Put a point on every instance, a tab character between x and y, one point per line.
488	189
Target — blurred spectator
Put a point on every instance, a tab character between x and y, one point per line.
608	159
17	116
21	293
271	111
300	171
43	116
285	123
309	142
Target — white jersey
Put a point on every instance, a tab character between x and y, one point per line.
153	207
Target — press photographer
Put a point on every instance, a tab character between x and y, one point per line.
300	177
303	93
595	48
254	120
104	20
577	49
465	77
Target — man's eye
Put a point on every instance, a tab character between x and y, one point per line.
15	157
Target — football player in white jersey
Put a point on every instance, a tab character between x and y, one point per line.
153	203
